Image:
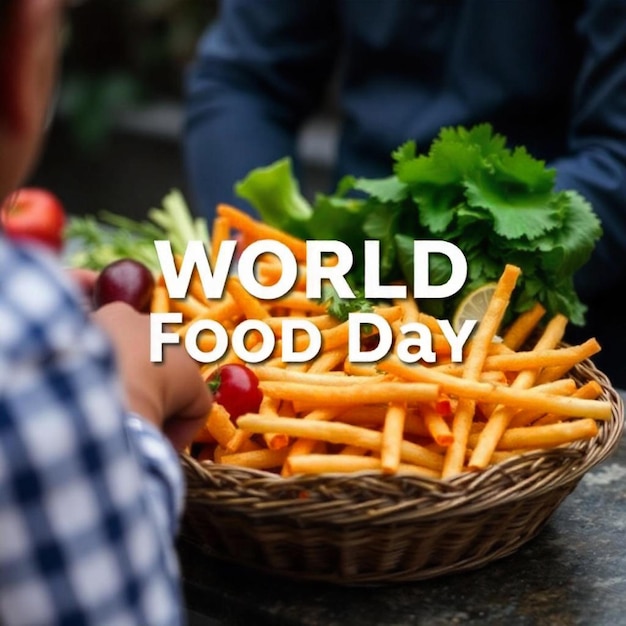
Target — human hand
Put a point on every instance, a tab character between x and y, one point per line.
171	395
85	280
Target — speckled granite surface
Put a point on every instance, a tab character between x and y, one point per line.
573	573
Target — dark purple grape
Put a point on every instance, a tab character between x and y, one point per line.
124	280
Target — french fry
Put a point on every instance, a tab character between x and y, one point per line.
353	450
219	424
274	441
563	386
335	432
251	307
218	453
437	427
549	374
328	361
517	333
204	435
410	312
304	445
393	434
264	458
520	398
535	359
591	389
547	436
487	329
430	322
322	322
160	300
238	440
270	272
354	369
344	395
340	463
273	373
501	415
329	463
297	301
225	309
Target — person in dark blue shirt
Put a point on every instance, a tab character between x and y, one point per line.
547	74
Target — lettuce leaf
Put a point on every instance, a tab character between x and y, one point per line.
498	205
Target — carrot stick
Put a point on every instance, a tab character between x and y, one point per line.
254	229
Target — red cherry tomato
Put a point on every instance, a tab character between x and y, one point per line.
236	388
35	215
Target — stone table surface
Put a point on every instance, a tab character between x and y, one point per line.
573	572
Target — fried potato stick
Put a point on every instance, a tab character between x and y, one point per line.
219	424
534	359
335	432
269	407
591	389
486	392
274	373
160	300
265	458
437	426
502	414
269	272
393	434
327	360
487	329
547	436
518	332
346	463
562	386
345	395
251	306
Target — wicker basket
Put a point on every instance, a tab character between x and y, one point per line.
368	528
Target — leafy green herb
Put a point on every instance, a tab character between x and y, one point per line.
340	307
275	189
96	241
498	205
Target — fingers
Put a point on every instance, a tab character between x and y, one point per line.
171	394
85	279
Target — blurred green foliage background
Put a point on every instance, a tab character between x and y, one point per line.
122	53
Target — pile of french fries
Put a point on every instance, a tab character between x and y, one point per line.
436	420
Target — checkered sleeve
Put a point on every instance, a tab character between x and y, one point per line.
89	496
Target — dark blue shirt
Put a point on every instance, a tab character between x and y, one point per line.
548	74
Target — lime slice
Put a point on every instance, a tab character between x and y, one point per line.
473	306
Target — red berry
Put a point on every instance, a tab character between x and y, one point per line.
124	280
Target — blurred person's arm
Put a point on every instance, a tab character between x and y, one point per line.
596	163
261	69
91	492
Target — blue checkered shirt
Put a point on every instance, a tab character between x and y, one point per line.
90	496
